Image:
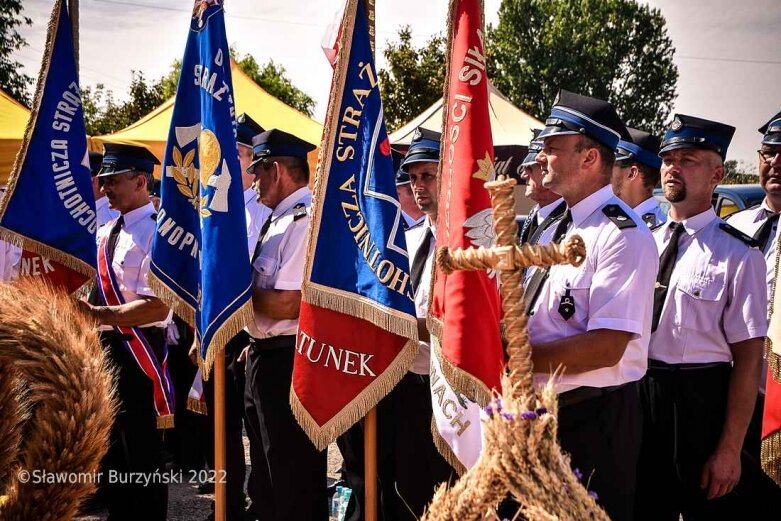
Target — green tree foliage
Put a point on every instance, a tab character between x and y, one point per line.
104	115
12	80
270	76
414	77
610	49
739	173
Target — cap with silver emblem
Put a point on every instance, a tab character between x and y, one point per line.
772	131
691	132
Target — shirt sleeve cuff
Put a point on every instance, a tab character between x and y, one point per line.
733	337
616	324
288	285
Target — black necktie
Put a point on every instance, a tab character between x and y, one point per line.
763	233
666	265
416	273
532	292
529	227
263	232
113	236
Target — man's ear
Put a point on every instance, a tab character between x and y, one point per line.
591	158
633	172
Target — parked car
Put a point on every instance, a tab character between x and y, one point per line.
727	199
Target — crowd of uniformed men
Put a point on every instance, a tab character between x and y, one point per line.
660	332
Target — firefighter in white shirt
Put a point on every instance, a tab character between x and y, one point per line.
709	324
594	320
291	478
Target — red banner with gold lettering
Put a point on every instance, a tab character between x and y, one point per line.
467	354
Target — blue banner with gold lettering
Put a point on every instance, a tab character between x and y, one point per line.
357	332
199	253
49	208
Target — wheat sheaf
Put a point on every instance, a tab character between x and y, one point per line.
57	403
185	176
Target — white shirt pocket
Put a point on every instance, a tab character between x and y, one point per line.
701	296
265	271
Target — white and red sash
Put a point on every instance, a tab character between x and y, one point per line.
133	339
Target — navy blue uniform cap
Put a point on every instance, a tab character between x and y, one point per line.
278	143
772	131
690	132
246	129
423	149
534	148
574	114
95	161
402	177
119	158
644	148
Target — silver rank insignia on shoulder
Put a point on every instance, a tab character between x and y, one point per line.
299	211
567	306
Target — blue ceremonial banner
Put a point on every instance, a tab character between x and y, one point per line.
199	254
49	208
357	327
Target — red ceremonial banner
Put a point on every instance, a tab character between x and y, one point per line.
465	310
771	427
58	275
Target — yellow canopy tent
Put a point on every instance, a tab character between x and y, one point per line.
268	111
13	120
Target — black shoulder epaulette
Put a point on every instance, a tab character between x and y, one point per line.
619	217
154	216
299	211
657	226
748	239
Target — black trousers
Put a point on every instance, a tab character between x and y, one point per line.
755	487
683	416
135	442
602	435
290	474
409	465
235	469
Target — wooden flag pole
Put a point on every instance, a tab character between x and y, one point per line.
220	508
370	421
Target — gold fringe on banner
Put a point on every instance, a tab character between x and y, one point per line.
171	299
165	422
229	329
773	356
364	308
445	450
55	254
461	381
771	456
322	436
197	406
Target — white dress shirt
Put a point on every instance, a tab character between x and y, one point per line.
103	212
545	211
10	256
415	236
132	255
650	212
748	221
256	214
280	263
612	289
717	294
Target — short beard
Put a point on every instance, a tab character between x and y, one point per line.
675	195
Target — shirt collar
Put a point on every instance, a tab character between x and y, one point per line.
583	209
546	210
697	222
288	202
133	216
767	210
647	206
249	196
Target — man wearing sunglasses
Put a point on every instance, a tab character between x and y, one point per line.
124	298
761	222
290	482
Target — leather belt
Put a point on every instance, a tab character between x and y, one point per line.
582	394
658	365
274	342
